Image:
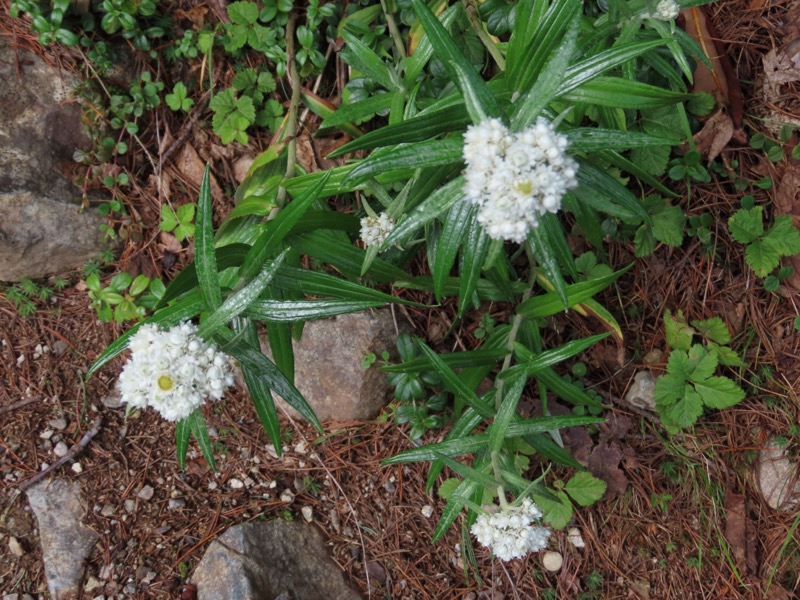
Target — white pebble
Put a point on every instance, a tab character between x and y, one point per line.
287	496
77	468
427	511
235	484
575	538
308	513
552	561
61	449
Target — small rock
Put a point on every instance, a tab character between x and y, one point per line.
113	400
61	449
287	496
301	447
46	434
107	510
641	394
552	561
92	583
130	505
77	468
14	547
212	485
308	513
58	424
10	596
248	482
235	484
574	537
66	542
776	477
427	511
146	493
176	503
59	347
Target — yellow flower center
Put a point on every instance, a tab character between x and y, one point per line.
524	187
165	383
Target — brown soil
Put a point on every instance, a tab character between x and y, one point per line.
691	523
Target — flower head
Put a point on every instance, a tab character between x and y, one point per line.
514	178
508	533
375	230
173	370
666	10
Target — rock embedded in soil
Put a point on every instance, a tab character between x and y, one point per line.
641	394
777	477
66	542
328	369
43	229
259	560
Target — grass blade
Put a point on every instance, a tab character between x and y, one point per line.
205	258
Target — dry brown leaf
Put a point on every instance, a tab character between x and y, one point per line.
735	529
169	243
787	202
241	167
706	80
192	168
305	153
604	464
196	15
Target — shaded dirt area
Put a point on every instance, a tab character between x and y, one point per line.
688	521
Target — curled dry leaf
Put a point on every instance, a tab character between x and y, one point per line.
787	202
192	168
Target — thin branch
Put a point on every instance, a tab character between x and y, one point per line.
20	404
71	453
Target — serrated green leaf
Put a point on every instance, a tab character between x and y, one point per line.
762	257
747	225
684	412
448	488
783	236
644	241
585	489
719	392
703	363
168	219
669	389
727	357
678	333
713	329
243	12
668	225
556	513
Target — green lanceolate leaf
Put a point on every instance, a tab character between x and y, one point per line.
479	101
473	254
424	51
239	301
618	92
543	251
432	153
182	434
453	508
259	390
587	139
454	360
507	412
205	259
278	228
197	424
266	370
305	310
604	193
438	202
531	363
474	475
551	303
458	221
360	56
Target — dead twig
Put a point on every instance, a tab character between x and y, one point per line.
71	453
185	131
19	404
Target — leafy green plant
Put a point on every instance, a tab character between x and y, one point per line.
667	226
690	385
765	247
179	221
232	116
124	298
178	99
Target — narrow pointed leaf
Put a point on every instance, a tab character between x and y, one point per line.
182	434
432	153
548	263
198	426
459	219
205	258
360	56
453	508
508	409
552	302
306	310
473	255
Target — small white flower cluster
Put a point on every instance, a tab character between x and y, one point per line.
375	230
666	10
508	533
513	178
173	370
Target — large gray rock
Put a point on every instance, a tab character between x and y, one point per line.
328	369
262	561
42	227
66	542
777	477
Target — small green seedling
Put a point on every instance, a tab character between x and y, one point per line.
122	300
178	222
178	99
765	248
690	385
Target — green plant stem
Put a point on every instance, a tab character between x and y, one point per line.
393	30
501	490
471	9
290	129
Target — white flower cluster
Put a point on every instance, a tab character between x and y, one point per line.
508	533
514	178
374	230
666	10
173	370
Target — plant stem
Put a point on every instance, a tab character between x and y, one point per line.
395	33
290	128
477	25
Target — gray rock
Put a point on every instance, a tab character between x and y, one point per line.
777	478
42	229
66	542
255	561
328	369
641	394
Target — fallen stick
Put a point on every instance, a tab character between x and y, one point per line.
71	453
19	404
